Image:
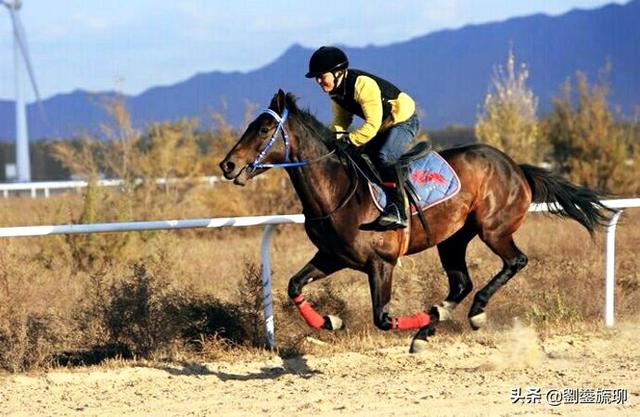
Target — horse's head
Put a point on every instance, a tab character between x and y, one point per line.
259	147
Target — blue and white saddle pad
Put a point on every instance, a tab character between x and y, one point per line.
433	179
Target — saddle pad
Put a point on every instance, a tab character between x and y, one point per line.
432	178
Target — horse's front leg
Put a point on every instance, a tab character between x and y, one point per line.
380	278
318	267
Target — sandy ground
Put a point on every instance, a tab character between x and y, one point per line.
467	375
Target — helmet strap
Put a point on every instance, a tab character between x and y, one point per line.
338	77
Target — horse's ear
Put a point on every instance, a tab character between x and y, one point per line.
279	101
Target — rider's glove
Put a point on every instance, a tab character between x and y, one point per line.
342	141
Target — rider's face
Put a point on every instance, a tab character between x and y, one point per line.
326	81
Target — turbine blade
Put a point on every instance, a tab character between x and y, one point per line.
19	33
21	39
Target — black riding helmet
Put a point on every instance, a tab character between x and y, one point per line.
326	59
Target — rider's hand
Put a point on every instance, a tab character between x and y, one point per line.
342	141
342	135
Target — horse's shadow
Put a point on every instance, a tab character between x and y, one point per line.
290	366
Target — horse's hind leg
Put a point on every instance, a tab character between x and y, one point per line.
452	255
318	267
513	261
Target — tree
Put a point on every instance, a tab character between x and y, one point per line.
587	143
508	121
121	156
169	150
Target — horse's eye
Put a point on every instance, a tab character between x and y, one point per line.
264	130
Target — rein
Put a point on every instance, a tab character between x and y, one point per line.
280	128
347	196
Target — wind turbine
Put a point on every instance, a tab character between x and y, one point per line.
20	56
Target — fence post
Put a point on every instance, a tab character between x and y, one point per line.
267	298
609	274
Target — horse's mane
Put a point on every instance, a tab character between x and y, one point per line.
316	128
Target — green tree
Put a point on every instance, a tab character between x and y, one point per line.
508	120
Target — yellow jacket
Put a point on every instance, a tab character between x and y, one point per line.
378	102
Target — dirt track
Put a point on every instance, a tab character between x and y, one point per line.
467	375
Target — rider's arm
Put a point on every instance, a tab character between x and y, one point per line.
341	118
367	94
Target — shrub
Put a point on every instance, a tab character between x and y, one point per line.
588	144
28	340
150	317
509	119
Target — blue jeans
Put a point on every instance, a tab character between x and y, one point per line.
387	147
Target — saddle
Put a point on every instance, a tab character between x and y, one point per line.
420	150
427	178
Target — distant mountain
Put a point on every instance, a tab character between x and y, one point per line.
447	72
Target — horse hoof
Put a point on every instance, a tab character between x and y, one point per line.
418	346
478	321
419	343
333	322
445	310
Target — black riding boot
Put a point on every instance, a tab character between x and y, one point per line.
394	215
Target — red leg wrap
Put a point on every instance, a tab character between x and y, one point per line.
309	315
415	321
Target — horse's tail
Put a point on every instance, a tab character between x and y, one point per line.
578	203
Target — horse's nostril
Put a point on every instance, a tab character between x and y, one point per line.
228	166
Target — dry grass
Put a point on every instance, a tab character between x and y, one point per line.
191	295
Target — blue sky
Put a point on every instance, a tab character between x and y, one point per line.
129	46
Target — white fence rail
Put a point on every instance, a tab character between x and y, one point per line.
47	186
269	221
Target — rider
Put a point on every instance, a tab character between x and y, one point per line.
389	126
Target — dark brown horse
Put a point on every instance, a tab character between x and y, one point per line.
493	202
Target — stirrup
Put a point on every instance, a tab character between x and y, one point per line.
388	220
386	224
